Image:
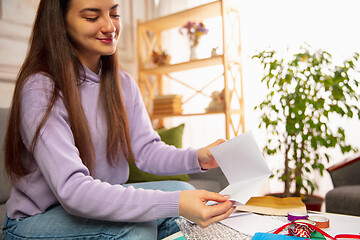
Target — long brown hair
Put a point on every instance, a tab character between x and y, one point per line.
52	53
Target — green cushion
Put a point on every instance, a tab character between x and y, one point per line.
172	136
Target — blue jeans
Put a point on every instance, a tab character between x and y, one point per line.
56	223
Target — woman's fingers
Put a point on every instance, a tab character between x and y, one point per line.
219	209
217	142
192	206
206	159
222	216
217	197
217	213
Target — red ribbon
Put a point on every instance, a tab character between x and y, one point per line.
347	236
320	231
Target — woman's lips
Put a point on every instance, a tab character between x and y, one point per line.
106	40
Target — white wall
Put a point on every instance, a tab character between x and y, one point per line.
14	34
131	11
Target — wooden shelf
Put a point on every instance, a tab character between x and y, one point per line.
196	14
151	78
198	63
185	114
233	111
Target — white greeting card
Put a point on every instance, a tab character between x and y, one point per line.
243	165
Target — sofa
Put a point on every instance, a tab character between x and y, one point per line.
4	181
212	180
345	197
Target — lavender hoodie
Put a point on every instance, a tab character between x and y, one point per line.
61	177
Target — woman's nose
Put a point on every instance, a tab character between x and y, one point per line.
108	25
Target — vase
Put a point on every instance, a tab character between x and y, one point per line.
193	53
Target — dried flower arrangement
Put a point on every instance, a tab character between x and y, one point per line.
194	30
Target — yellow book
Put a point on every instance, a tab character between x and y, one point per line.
168	111
273	206
168	96
167	106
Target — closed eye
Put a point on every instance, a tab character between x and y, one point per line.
93	19
116	16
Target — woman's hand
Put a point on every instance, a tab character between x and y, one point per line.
205	158
192	206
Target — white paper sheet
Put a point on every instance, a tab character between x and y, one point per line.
252	223
243	165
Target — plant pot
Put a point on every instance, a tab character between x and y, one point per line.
312	202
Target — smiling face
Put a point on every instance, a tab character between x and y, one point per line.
94	28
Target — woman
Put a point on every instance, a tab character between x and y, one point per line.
75	122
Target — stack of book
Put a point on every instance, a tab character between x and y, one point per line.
167	104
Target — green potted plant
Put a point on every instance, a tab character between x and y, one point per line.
305	91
